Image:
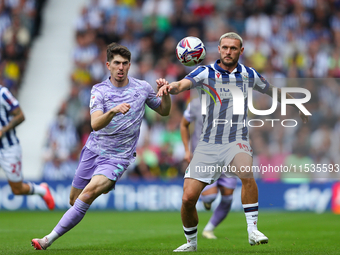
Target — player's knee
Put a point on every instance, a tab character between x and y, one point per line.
189	200
88	196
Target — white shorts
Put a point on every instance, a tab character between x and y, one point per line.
210	161
10	162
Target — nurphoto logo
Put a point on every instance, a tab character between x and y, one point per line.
237	95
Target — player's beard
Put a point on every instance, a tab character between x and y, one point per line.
229	64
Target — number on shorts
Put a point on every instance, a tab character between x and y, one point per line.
243	146
16	168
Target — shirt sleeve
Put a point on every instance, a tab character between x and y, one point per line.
96	101
9	101
152	100
197	76
260	83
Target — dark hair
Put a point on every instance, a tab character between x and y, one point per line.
117	49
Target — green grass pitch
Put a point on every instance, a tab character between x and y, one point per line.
112	232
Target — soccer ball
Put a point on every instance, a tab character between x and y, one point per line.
190	51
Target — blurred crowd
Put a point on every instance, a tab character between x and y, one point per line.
19	24
291	42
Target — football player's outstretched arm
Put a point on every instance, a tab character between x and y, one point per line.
175	87
269	92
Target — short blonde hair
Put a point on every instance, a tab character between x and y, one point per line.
231	35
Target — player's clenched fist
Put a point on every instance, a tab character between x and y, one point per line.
123	108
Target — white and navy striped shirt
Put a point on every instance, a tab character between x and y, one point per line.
7	104
217	126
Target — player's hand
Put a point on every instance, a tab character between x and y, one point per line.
188	156
1	133
161	82
303	117
164	90
123	108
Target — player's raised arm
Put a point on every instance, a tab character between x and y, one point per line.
18	117
100	120
269	92
174	87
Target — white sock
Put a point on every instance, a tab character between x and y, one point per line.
251	212
191	235
209	227
52	237
36	189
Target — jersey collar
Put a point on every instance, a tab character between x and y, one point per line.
238	69
109	83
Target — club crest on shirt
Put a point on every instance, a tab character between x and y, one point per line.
245	76
93	98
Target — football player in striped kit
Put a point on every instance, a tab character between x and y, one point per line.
224	141
224	184
11	116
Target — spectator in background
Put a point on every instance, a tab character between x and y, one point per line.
61	149
19	24
86	50
62	136
5	18
156	19
258	25
11	66
180	20
57	168
17	33
298	158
